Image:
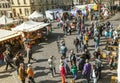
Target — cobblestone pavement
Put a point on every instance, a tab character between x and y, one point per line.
42	52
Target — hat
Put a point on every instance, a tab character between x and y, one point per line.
51	56
29	65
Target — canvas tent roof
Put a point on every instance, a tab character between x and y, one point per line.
26	26
5	20
39	27
6	34
29	26
35	14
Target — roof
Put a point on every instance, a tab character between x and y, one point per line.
6	34
29	26
35	14
5	20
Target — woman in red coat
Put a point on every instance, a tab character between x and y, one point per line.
62	72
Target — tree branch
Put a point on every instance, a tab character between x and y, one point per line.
95	1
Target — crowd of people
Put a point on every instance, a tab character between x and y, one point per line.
87	65
88	69
17	62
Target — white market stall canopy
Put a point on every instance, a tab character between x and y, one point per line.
53	14
39	27
35	14
6	34
29	26
5	20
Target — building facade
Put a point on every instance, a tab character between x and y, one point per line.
5	8
23	8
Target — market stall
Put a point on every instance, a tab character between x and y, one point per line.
7	23
25	26
33	30
35	14
5	20
11	38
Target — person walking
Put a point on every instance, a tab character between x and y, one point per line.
30	56
72	57
8	60
17	63
65	28
76	43
87	71
81	63
30	74
67	69
106	34
94	74
28	48
111	33
86	38
80	38
98	65
74	70
62	72
63	50
22	73
1	59
51	62
96	41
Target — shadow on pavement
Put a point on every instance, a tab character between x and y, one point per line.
4	76
40	68
42	60
106	77
36	47
54	37
38	74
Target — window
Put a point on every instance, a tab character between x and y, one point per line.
26	12
3	5
18	1
24	1
8	5
12	2
20	11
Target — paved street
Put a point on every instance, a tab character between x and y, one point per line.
48	48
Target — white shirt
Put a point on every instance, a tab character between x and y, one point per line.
93	74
